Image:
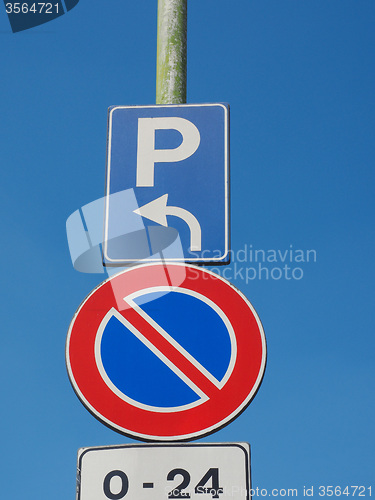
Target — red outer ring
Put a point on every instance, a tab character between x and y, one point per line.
191	423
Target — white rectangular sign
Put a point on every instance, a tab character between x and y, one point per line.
166	471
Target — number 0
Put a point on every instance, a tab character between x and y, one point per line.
107	485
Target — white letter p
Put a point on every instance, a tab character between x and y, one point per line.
147	155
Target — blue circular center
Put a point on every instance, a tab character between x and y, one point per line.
139	373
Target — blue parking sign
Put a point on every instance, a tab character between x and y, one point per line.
175	158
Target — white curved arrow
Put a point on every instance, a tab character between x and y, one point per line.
157	211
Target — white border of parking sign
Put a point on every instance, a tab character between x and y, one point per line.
224	258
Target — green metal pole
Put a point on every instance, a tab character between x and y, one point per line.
171	52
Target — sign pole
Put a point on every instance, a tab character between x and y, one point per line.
171	52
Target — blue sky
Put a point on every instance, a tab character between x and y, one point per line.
299	78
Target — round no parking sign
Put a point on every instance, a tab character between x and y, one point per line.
166	352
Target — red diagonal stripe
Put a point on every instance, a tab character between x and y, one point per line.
170	352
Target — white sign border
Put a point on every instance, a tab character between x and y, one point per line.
245	447
212	260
